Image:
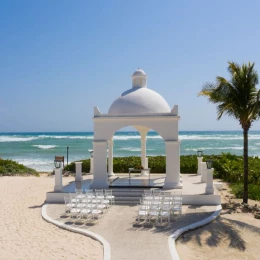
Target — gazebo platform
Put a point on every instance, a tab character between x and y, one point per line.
130	192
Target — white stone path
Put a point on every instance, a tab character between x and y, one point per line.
129	241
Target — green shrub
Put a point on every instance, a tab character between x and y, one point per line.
253	190
72	167
10	168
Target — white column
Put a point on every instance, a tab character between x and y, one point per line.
78	171
146	163
100	165
203	166
91	165
110	158
143	150
209	184
199	165
172	179
58	179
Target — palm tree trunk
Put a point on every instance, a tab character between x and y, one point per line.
245	195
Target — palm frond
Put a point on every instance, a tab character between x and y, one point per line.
237	97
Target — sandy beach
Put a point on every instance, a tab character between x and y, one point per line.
25	235
23	232
233	235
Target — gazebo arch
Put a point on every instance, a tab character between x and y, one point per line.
143	109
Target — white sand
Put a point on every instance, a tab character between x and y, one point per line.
23	232
232	236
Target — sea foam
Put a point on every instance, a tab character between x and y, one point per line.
41	146
4	139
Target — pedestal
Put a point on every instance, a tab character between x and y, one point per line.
203	166
58	179
209	184
199	165
78	171
145	172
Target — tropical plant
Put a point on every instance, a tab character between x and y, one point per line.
237	98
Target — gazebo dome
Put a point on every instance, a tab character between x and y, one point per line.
139	99
139	72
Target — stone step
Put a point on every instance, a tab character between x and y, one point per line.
130	203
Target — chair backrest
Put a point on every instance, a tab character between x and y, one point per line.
108	192
99	194
167	196
99	191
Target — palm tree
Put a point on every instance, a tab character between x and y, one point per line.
238	98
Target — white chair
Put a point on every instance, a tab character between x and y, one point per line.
85	212
79	193
101	206
142	212
177	208
148	194
105	202
153	213
177	196
109	196
100	195
68	204
75	211
157	194
167	195
165	214
95	212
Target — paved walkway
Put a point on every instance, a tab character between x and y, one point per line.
128	240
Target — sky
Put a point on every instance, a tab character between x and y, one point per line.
59	59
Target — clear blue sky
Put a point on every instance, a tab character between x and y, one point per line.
59	59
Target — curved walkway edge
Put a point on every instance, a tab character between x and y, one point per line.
173	237
106	245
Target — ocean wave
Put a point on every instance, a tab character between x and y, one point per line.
217	148
126	137
130	149
65	136
4	139
217	137
134	149
41	146
129	137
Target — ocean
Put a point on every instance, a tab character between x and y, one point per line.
37	150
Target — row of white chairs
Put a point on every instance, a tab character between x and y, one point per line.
97	193
90	204
85	208
159	206
90	209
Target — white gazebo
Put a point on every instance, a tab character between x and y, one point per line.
144	109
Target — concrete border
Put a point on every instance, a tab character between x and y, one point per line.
173	237
106	245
